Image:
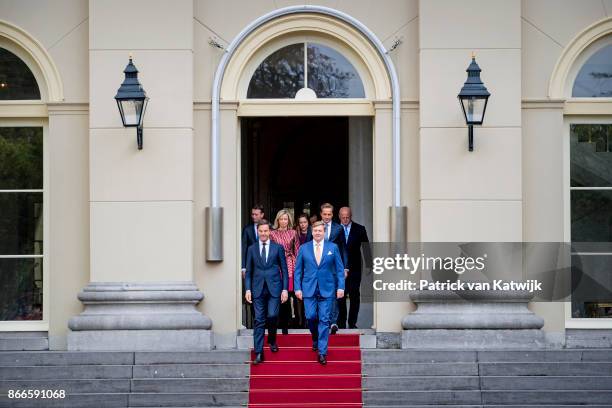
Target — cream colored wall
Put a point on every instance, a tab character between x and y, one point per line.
142	201
470	195
61	27
68	248
547	27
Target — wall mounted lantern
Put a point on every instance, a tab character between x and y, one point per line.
473	98
132	101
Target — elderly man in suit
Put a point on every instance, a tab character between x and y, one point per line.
335	234
319	281
355	235
266	282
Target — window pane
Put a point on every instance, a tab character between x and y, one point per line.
16	79
331	75
280	75
595	76
591	155
21	224
592	284
21	158
21	287
591	215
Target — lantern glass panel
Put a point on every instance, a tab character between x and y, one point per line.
473	108
132	111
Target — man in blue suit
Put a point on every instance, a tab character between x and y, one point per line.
335	233
266	282
319	281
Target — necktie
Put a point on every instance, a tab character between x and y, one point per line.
263	252
346	233
256	234
327	231
318	252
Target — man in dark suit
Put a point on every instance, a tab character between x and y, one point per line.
334	233
266	285
249	232
319	281
249	236
354	235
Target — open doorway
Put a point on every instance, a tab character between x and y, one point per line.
299	163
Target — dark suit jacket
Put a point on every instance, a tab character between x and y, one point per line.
337	237
273	272
248	239
357	236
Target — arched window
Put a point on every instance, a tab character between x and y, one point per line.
21	196
16	80
590	182
302	66
594	80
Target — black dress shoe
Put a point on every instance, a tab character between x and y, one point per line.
259	358
315	346
334	328
285	331
353	326
274	347
322	359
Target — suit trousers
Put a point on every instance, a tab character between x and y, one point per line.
355	299
318	309
266	311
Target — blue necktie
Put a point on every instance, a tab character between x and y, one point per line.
346	233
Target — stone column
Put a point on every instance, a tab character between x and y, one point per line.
470	196
141	294
360	169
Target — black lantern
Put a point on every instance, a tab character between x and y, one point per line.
132	101
473	98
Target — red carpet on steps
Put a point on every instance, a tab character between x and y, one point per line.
293	378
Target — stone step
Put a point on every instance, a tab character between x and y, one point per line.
65	372
602	355
429	383
417	356
537	383
190	385
545	397
192	371
421	397
71	401
188	399
419	369
24	341
70	386
546	368
60	358
206	357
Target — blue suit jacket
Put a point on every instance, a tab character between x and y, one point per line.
273	272
329	275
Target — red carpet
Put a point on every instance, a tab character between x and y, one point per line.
293	377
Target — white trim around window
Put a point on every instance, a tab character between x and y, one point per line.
572	322
35	325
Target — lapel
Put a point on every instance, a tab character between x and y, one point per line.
351	232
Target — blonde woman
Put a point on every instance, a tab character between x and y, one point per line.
285	235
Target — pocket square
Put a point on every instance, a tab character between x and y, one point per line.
329	253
